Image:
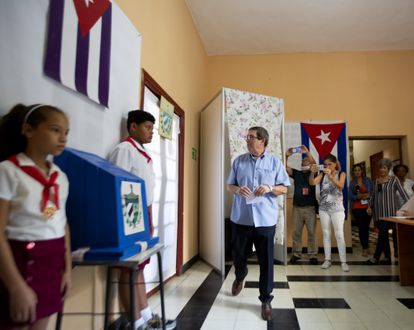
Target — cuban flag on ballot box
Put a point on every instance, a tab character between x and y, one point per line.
323	139
94	49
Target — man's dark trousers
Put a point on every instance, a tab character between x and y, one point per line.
242	239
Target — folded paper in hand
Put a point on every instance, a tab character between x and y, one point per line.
253	199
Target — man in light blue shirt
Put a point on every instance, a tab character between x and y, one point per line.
256	179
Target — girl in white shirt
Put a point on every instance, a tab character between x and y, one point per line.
35	257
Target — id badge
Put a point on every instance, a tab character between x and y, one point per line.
305	191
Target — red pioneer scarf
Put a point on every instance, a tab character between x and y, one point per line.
142	152
48	184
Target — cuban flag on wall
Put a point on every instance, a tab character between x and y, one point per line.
94	49
323	139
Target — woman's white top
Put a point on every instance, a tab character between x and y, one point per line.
408	187
331	196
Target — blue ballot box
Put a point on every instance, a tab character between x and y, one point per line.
106	207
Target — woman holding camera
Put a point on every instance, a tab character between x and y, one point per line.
331	207
360	189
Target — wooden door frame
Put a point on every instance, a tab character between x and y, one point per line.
373	162
154	87
383	137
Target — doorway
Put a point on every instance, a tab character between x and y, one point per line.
368	150
168	154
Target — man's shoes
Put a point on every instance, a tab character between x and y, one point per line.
156	323
293	259
266	311
313	261
236	287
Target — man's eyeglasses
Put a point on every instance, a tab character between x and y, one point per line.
251	137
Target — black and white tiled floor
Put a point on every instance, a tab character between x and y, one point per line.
306	297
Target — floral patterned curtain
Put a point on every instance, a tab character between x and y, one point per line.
245	110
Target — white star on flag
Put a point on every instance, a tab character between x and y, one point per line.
87	2
324	137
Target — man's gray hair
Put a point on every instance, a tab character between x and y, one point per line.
261	133
385	162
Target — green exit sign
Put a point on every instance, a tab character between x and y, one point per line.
194	153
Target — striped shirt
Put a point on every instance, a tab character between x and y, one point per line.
384	199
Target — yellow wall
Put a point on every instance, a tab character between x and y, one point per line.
370	90
172	53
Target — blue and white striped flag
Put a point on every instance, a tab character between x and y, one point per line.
93	48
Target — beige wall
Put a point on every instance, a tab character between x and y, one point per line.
370	90
172	53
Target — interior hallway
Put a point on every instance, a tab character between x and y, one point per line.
306	297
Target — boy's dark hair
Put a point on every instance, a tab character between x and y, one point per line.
261	133
138	117
12	141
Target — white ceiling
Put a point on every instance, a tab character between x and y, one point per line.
285	26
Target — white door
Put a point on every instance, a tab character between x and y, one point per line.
212	185
164	153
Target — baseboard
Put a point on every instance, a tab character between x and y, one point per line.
190	263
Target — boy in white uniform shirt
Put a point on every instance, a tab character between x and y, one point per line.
132	157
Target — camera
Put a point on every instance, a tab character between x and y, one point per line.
297	150
321	167
357	189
